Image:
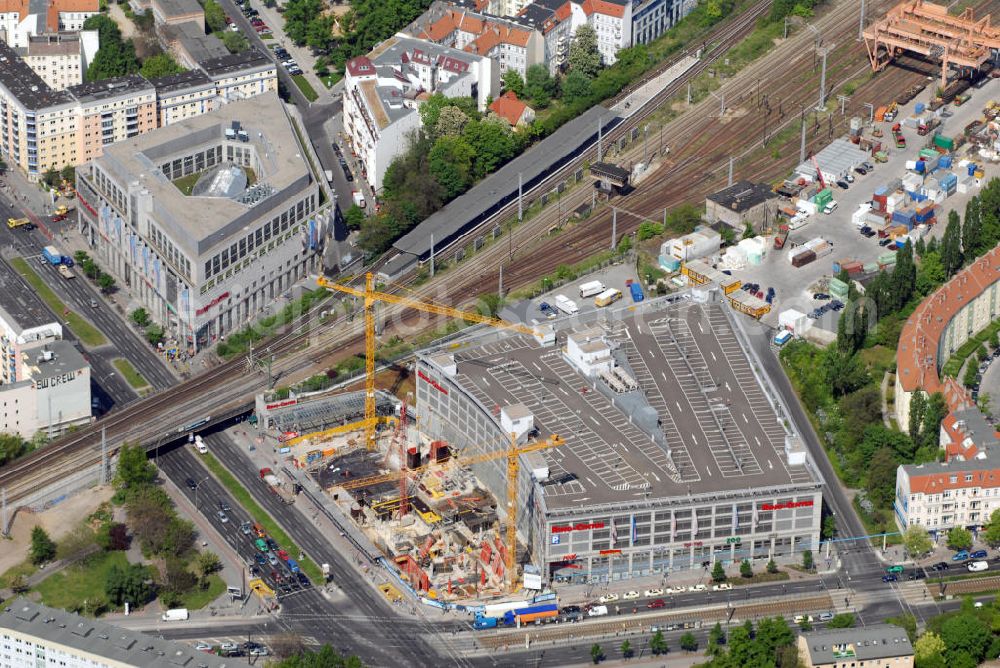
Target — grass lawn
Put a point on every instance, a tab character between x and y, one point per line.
133	377
244	498
69	588
304	86
87	333
267	36
880	358
24	569
186	183
198	598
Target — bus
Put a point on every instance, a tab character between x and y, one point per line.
608	297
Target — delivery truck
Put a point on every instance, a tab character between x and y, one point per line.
54	257
591	289
607	297
566	305
175	615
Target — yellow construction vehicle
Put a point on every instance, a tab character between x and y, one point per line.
370	296
513	454
17	222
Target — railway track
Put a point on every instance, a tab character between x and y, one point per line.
640	623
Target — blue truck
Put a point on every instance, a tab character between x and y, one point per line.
636	290
56	258
293	566
526	615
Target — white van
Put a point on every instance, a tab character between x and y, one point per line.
590	289
566	305
976	566
598	611
199	445
831	207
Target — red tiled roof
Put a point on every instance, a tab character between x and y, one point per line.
937	482
485	43
563	11
518	37
602	7
360	66
11	6
440	28
508	107
957	445
466	23
916	357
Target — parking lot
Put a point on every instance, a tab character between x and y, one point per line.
614	276
795	286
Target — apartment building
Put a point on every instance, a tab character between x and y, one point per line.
110	111
259	226
61	59
22	19
175	12
182	96
881	645
383	90
42	128
35	635
513	44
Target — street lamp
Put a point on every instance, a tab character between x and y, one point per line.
197	487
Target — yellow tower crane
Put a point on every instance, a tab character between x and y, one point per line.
370	296
513	454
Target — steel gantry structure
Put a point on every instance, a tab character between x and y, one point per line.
928	29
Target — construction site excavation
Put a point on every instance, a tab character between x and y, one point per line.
607	446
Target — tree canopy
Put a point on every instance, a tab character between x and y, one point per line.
584	56
160	65
114	57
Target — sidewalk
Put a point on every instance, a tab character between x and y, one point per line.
302	54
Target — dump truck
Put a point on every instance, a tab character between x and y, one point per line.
65	272
13	223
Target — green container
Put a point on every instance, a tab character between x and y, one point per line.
946	143
888	257
839	294
929	153
823	197
871	267
837	285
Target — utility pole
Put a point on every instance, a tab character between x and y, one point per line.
664	217
432	255
500	287
871	112
689	95
861	22
104	456
822	81
730	171
614	226
645	131
600	137
802	146
3	496
842	99
520	184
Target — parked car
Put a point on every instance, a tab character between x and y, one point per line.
657	604
978	554
282	555
722	587
843	185
977	566
272	559
961	555
630	595
915	575
191	484
652	593
608	598
861	170
849	178
941	566
826	616
820	296
698	587
836	305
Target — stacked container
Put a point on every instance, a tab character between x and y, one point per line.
879	198
838	289
948	183
944	162
903	217
946	143
924	213
875	219
802	257
823	197
821	247
886	260
853	268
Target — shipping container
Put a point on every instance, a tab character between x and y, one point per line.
947	143
803	258
566	305
52	255
636	290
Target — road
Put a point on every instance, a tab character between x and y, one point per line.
76	294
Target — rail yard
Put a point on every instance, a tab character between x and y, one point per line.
504	492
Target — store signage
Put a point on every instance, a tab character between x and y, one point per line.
204	309
282	404
434	383
696	543
85	204
52	381
604	552
786	505
733	539
579	526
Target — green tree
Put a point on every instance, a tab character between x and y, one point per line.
140	316
746	570
130	584
843	620
106	282
354	217
916	541
965	633
160	65
298	15
688	642
451	121
716	636
51	177
68	173
927	647
880	480
18	584
972	230
539	85
235	42
951	245
12	446
584	56
648	230
918	406
514	82
829	527
43	549
215	17
626	650
115	57
319	32
934	413
771	566
807	560
959	538
718	572
657	644
492	142
576	87
134	468
991	532
207	563
596	653
805	626
490	304
326	657
154	334
451	165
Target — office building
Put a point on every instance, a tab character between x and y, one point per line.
874	645
206	221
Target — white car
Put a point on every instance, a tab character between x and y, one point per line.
698	587
725	586
802	618
675	590
608	598
203	647
653	593
976	566
630	596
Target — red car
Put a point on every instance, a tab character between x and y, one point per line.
282	555
657	604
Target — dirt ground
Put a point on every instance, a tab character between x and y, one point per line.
58	521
